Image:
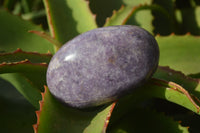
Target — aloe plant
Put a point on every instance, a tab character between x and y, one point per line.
31	32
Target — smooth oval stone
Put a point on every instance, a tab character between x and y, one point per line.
102	65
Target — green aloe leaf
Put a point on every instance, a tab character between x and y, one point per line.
165	24
180	52
167	4
163	91
48	37
34	73
135	120
24	86
189	84
168	74
142	18
20	55
29	85
53	114
54	117
121	16
136	2
136	15
23	67
9	4
14	34
17	114
130	12
97	6
197	75
175	93
65	21
27	72
151	90
189	20
101	15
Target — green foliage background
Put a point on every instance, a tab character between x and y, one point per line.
31	31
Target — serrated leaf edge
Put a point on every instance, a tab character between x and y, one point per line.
176	87
38	112
113	15
108	117
35	126
169	117
26	61
88	5
134	9
50	23
178	35
41	102
21	51
172	118
131	12
171	71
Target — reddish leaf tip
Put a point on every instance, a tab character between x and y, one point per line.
108	117
172	34
18	50
188	33
179	122
157	35
35	127
25	52
4	63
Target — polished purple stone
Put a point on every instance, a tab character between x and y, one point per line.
102	65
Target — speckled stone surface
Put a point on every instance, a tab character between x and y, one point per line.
102	65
